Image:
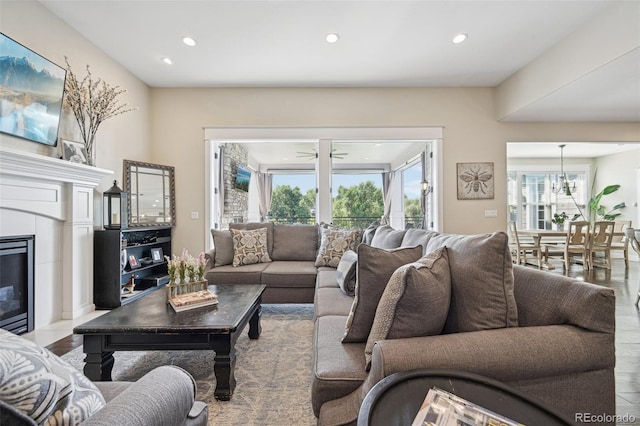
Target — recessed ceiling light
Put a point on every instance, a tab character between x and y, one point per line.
459	38
167	61
285	158
332	37
188	41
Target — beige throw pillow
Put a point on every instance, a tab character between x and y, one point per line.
375	267
223	245
249	246
415	301
334	243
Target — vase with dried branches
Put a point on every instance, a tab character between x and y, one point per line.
92	101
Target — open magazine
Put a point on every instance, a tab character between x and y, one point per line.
441	408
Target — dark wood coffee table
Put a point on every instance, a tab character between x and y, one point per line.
149	323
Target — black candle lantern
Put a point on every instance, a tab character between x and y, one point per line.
115	208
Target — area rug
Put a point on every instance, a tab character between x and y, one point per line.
273	373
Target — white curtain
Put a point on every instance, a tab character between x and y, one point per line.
265	191
220	186
387	184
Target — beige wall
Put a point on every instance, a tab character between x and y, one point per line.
620	169
124	136
471	134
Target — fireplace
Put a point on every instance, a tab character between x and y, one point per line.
53	200
16	283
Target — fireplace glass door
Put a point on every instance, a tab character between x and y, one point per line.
16	283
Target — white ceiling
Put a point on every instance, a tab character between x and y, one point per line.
280	43
370	153
391	154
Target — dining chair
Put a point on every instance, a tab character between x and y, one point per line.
601	238
522	248
621	242
577	242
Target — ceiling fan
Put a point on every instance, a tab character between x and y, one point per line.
312	154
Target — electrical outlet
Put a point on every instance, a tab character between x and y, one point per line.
491	213
195	215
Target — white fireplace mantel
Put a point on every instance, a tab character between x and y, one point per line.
33	185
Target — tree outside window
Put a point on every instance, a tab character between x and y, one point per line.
357	205
293	203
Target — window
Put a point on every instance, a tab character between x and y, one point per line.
532	203
411	194
293	198
357	198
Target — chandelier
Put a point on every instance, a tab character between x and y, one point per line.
563	184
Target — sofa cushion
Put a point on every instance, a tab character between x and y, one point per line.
334	243
482	294
249	246
327	277
369	232
292	273
332	301
257	225
223	244
42	386
387	238
415	301
295	242
338	369
414	237
375	267
346	272
248	274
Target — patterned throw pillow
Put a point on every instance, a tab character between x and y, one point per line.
42	386
415	301
249	246
334	243
346	274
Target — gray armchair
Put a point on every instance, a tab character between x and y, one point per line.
164	396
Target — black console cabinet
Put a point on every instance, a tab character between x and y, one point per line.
112	249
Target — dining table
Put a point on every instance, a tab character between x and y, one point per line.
553	236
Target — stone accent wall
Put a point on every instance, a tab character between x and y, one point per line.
236	202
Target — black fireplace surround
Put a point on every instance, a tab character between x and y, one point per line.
17	283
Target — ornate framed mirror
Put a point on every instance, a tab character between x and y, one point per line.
151	189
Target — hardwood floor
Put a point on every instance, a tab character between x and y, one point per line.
624	282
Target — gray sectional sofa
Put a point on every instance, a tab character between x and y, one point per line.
547	335
291	275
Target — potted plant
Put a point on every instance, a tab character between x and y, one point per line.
559	219
597	211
